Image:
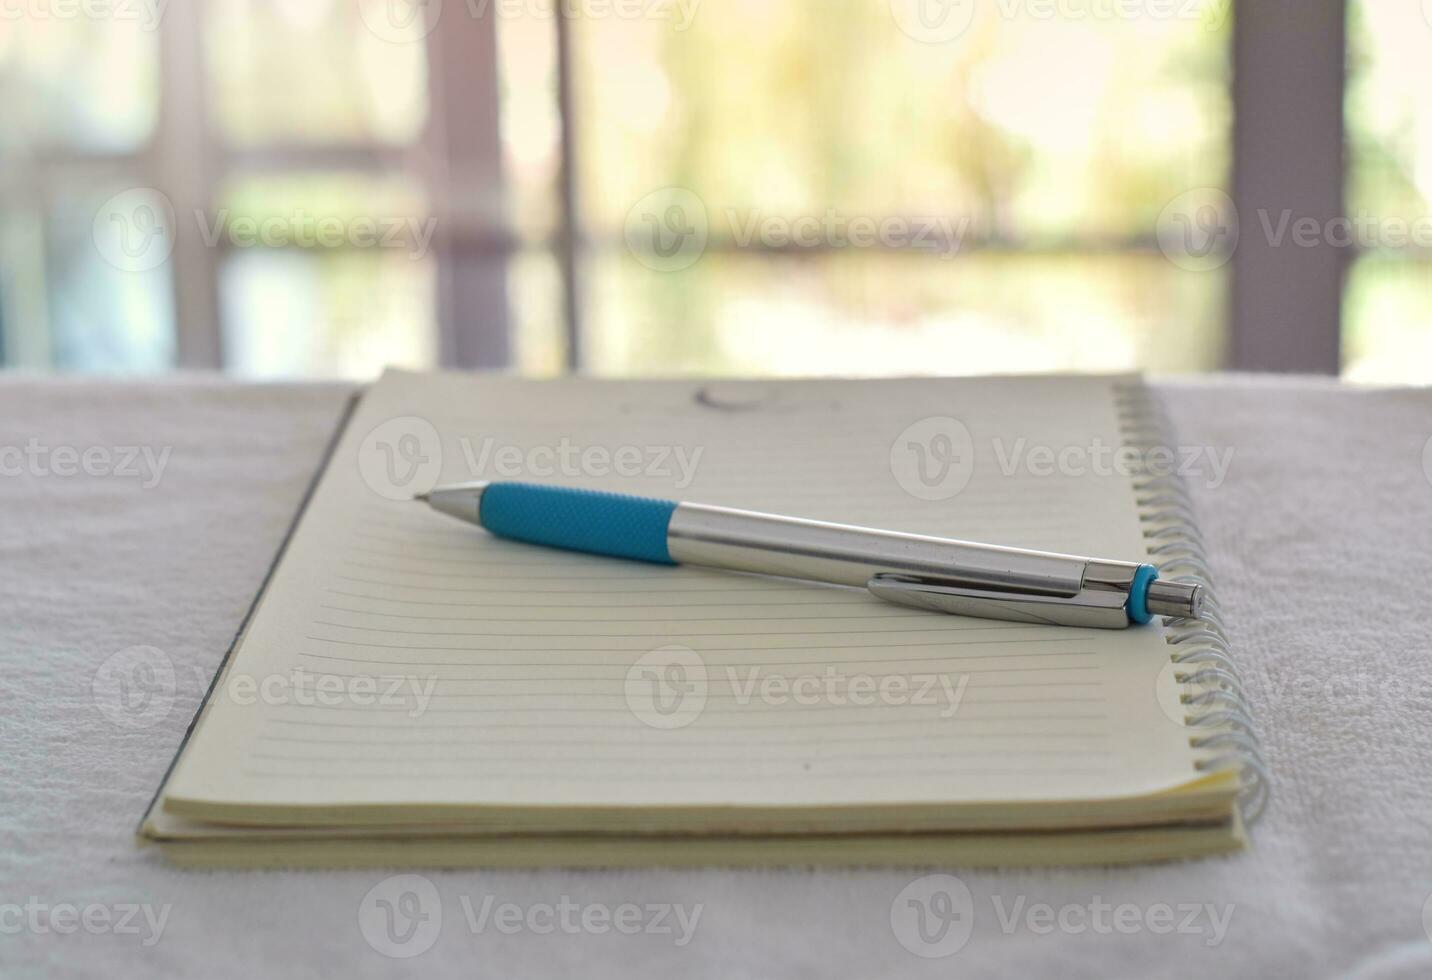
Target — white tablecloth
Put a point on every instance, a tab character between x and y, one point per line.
1321	543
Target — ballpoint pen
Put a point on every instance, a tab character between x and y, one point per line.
941	574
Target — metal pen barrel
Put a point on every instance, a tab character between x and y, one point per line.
724	537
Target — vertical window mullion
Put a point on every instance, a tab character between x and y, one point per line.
1288	71
569	242
467	191
186	168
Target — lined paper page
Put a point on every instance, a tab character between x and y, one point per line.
401	657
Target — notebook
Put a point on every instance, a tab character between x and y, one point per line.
408	689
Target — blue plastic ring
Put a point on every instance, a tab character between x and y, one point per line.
1138	605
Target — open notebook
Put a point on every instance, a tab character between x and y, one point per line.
409	689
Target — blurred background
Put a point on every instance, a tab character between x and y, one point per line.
318	188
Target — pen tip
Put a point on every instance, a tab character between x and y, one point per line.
421	497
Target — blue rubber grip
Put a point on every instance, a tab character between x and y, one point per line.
579	520
1138	607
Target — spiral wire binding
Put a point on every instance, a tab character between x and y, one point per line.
1211	690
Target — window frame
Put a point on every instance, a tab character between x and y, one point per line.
461	170
1285	305
1289	80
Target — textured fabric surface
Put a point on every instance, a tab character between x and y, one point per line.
1321	545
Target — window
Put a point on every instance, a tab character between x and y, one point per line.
81	103
1387	303
278	187
875	200
321	187
320	209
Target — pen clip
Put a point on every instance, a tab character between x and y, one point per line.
1099	608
